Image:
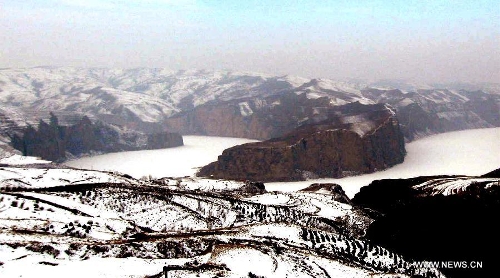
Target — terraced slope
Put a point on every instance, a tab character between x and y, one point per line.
51	218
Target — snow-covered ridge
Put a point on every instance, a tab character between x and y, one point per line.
455	185
37	178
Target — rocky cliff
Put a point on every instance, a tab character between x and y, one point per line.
355	138
56	142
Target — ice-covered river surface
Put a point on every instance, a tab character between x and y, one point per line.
181	161
469	152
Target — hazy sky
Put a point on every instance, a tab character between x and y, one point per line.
419	40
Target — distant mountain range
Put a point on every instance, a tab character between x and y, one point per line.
142	98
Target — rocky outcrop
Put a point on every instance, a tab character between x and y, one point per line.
355	138
47	142
334	189
218	120
162	140
438	218
56	142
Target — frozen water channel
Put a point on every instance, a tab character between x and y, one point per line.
469	152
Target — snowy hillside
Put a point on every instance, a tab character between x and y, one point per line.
150	94
57	221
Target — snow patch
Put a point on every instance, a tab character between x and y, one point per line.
405	102
245	109
44	178
23	160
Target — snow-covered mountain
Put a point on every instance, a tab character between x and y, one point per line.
150	94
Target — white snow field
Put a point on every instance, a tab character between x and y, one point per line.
468	152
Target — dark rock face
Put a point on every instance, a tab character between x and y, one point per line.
162	140
355	138
492	174
251	188
420	224
50	146
55	142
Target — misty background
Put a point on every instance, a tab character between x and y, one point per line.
422	41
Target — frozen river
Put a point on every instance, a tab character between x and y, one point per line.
469	152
